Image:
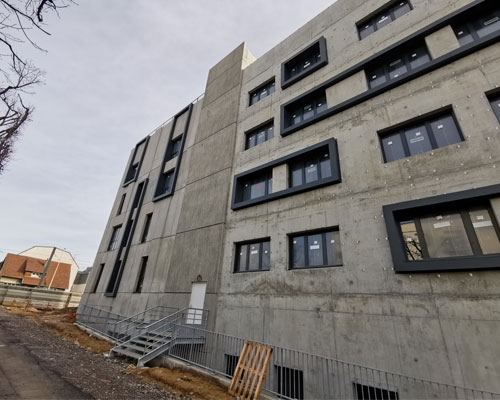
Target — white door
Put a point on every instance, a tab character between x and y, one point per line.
195	312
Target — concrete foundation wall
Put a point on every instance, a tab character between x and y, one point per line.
11	295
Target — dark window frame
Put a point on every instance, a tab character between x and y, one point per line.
121	204
331	144
270	85
373	17
146	227
113	240
306	234
322	60
136	167
175	147
494	96
140	276
399	46
237	267
394	214
255	131
470	23
318	100
426	120
98	278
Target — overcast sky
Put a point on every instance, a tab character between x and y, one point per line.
115	70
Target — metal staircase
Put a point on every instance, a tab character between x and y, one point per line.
158	337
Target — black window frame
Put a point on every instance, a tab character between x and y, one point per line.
237	267
470	24
316	101
387	9
113	240
175	148
384	67
141	274
396	213
269	85
494	97
267	126
317	48
239	179
134	167
120	205
98	278
146	227
265	176
317	157
425	120
305	235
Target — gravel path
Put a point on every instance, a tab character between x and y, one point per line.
94	375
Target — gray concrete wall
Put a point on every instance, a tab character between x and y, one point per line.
14	295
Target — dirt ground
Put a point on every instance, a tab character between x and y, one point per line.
123	381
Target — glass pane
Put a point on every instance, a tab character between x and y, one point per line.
297	169
383	20
393	147
241	257
411	241
253	256
296	116
333	250
326	166
246	191
272	88
485	231
488	24
463	35
254	98
270	132
266	255
311	171
366	29
307	62
261	136
308	111
397	68
445	236
419	57
418	140
263	93
377	77
298	252
251	141
445	131
320	105
315	250
167	183
401	9
495	105
270	185
258	188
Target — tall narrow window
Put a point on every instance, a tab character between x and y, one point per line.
142	272
317	249
120	206
113	242
98	279
176	148
145	230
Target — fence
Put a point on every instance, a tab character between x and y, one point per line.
298	375
38	297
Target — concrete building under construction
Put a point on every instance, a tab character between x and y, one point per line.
339	195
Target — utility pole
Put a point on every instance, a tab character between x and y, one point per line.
46	267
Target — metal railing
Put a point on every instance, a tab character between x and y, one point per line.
97	319
294	374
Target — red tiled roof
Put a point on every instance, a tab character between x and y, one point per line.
17	266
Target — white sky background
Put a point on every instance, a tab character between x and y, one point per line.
115	70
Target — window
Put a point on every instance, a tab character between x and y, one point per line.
478	28
114	238
495	105
262	91
306	62
98	279
255	256
308	109
363	392
315	249
142	272
259	135
470	231
311	169
35	275
165	183
257	186
132	172
176	148
315	167
420	137
384	17
145	231
136	160
231	363
290	382
397	66
120	206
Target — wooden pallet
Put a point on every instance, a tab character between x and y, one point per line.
251	370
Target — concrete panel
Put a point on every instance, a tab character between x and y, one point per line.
280	178
442	42
170	165
346	89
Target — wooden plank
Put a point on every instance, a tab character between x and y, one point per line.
239	369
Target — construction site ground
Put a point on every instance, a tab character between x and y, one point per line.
43	355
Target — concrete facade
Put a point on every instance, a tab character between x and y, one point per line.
441	325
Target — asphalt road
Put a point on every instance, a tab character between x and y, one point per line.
22	376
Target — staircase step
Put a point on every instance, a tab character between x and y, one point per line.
135	347
128	353
150	343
